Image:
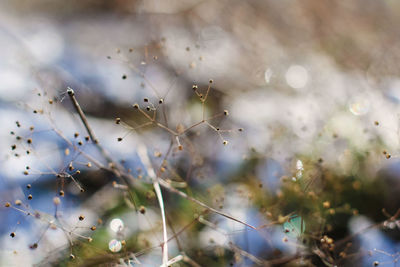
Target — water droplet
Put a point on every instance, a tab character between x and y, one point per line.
114	245
116	225
296	76
359	107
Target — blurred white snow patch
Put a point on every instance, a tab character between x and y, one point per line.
14	84
48	154
393	90
55	238
15	251
237	204
45	43
212	237
107	132
151	216
297	76
349	127
213	45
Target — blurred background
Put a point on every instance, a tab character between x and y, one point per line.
312	89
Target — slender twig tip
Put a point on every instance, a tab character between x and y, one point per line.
70	91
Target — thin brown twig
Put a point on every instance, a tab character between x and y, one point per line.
120	173
85	122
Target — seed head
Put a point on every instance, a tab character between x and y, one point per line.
142	210
56	201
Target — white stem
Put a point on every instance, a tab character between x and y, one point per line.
142	152
173	260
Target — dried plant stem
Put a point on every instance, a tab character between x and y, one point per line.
120	173
184	195
253	258
89	130
71	94
142	152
